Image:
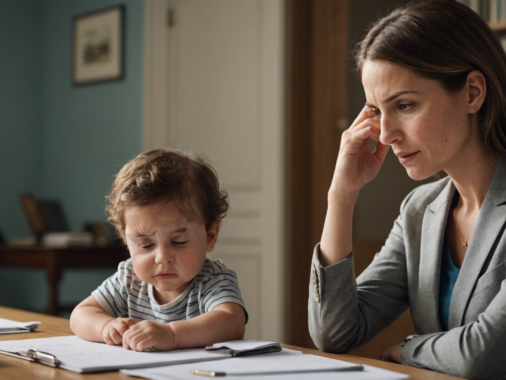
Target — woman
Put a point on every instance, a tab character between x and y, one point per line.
434	76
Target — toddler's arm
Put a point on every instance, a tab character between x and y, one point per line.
225	322
89	321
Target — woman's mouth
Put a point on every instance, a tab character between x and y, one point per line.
406	157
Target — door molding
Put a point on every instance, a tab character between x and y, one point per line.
155	88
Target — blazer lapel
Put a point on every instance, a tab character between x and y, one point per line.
490	221
431	245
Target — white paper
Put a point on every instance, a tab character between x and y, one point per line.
286	359
243	345
80	355
8	326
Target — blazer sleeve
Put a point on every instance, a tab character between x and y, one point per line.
345	313
476	350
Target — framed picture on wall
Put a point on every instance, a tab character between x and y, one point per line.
98	46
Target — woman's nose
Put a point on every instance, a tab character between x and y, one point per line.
390	133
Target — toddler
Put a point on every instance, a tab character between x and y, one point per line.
167	207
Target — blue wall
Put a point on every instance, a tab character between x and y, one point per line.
21	54
57	140
89	131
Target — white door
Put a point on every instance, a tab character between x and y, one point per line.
215	83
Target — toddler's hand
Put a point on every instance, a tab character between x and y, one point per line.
113	332
149	335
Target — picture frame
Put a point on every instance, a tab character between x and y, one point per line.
98	46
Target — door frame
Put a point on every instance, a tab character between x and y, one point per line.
317	107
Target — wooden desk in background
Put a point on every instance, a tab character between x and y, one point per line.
14	368
55	260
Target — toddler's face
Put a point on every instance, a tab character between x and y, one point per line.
167	249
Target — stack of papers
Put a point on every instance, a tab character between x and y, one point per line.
75	354
11	327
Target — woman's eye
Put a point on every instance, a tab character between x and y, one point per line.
180	242
405	106
147	246
376	112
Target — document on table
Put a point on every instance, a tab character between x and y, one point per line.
79	355
293	364
11	327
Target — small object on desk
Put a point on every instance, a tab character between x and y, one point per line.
99	233
67	239
352	367
244	347
12	327
22	241
201	372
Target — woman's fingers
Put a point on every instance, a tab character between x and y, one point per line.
365	133
354	139
366	113
381	150
356	164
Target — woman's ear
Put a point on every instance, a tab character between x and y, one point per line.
476	90
212	235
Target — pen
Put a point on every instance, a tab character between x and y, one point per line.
207	373
352	367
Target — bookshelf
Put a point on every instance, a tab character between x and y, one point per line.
499	26
494	13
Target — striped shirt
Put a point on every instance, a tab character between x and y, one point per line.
125	295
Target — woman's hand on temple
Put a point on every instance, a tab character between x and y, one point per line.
356	164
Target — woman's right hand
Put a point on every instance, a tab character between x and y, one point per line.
356	164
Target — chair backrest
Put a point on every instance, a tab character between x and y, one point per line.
54	216
43	216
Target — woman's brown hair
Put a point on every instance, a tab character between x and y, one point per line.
160	176
444	40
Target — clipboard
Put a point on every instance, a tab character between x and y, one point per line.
77	355
43	357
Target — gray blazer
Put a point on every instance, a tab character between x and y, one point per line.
345	313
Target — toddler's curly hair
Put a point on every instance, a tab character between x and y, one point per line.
161	176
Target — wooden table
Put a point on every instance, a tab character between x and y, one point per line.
55	260
14	368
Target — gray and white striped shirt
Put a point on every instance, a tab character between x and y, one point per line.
125	295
